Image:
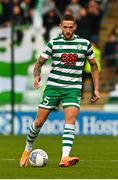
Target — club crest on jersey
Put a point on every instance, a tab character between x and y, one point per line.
79	47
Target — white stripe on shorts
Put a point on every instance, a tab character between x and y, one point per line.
47	107
73	104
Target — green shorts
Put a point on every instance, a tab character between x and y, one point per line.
53	96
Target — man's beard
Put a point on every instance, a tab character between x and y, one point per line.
68	35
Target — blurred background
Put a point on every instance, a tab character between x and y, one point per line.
25	28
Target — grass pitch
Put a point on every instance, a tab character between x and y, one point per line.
98	158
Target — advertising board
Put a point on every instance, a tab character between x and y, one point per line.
88	123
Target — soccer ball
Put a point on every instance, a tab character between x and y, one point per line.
38	158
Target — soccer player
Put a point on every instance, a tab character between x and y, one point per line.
68	52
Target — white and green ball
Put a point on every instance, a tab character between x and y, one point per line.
38	158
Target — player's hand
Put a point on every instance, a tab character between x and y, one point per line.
36	82
96	96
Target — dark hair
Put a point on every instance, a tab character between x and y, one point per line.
68	18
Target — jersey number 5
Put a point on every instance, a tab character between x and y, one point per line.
46	100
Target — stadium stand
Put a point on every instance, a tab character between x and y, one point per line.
109	78
107	19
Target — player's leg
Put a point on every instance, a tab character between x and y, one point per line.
34	129
68	137
71	105
50	100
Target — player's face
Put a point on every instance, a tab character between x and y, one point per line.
68	28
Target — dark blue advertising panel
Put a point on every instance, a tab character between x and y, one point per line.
88	123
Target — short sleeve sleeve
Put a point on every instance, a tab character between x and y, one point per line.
90	53
47	52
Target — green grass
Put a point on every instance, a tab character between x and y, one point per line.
98	158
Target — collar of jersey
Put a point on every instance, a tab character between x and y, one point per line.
75	36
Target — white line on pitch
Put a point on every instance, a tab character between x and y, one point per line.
113	160
8	159
81	160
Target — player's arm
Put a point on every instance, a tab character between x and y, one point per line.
95	78
45	55
37	71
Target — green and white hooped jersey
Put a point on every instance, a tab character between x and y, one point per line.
68	58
